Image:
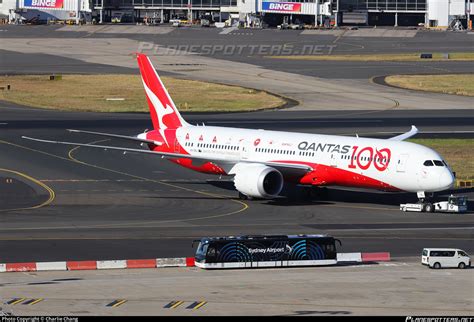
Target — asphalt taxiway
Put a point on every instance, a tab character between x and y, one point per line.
109	205
256	45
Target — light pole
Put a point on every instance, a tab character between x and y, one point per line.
468	15
78	11
190	14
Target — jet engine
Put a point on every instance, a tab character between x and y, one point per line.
258	180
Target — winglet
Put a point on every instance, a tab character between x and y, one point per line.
413	131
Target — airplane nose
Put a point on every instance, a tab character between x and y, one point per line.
446	179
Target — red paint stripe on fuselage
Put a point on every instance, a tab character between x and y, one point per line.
323	175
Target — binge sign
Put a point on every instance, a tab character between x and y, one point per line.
55	4
281	6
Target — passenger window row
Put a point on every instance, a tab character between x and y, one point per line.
435	253
218	146
380	160
307	154
277	151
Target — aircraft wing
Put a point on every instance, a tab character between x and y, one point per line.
283	167
117	136
301	169
413	131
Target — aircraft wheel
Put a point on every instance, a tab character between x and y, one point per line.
428	207
242	196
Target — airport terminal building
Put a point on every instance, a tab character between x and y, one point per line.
431	13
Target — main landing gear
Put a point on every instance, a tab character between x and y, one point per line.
244	197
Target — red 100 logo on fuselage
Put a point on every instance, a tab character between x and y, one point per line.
365	157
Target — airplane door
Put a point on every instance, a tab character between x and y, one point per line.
402	162
176	146
334	158
244	150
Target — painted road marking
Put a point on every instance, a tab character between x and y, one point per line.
173	304
290	121
243	208
196	305
32	301
116	303
44	186
15	301
228	30
91	180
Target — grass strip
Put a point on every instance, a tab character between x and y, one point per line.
125	93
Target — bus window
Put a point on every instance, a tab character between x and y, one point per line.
211	252
201	251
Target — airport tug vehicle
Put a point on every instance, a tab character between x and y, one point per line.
455	204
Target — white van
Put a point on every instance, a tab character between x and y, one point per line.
445	257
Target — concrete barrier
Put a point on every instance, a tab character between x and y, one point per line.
51	266
349	257
81	265
113	264
376	257
171	262
152	263
141	263
190	261
21	267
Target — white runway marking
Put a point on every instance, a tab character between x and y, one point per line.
294	121
227	30
118	29
399	229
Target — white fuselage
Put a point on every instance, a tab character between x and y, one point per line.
397	164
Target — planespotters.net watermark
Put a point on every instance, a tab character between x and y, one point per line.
438	319
236	50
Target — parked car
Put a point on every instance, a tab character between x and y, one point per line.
175	22
445	257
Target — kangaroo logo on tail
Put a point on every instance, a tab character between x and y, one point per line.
163	111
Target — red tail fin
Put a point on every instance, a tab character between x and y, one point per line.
164	113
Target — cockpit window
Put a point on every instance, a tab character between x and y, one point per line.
438	163
445	163
428	163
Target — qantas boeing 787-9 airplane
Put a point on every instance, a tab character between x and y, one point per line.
262	161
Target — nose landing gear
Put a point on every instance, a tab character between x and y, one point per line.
424	200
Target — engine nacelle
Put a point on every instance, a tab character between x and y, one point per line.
257	180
